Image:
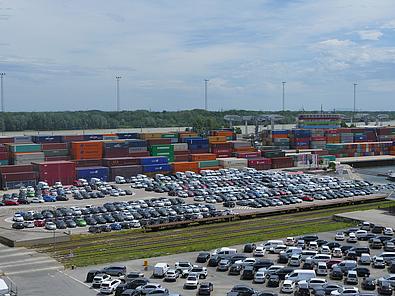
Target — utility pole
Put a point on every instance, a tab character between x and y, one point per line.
205	93
2	91
284	82
355	91
118	101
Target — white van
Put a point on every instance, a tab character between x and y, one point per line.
271	244
160	269
321	269
387	256
225	251
120	180
301	275
365	259
321	258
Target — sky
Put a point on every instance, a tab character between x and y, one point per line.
64	55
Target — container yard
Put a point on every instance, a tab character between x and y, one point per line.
63	158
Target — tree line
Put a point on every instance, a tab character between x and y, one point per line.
76	120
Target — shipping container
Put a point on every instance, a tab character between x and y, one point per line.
88	162
203	156
87	173
47	139
24	147
152	168
72	138
16	168
153	160
54	146
56	171
125	171
121	161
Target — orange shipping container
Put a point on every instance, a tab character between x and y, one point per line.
216	168
87	150
203	156
185	166
215	139
223	133
244	149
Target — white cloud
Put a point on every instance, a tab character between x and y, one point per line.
370	35
376	85
389	25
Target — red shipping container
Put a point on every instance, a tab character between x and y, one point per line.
16	168
87	163
113	153
120	161
4	140
221	146
222	150
3	148
318	138
54	146
181	152
56	171
158	141
259	161
248	154
139	154
3	155
223	155
181	157
20	176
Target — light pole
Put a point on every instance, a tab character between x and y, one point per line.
355	93
2	91
284	82
205	93
118	101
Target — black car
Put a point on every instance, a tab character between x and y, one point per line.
273	281
131	287
336	274
282	272
18	225
214	260
249	248
114	270
369	284
235	269
247	273
203	257
242	290
329	287
260	263
384	288
391	267
94	229
91	274
60	224
205	288
362	271
70	223
283	258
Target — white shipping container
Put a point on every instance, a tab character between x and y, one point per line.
180	146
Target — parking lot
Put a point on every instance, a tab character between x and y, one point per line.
223	282
191	197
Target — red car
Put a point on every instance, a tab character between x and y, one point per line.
11	202
332	262
307	198
39	223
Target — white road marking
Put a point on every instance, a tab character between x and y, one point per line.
78	281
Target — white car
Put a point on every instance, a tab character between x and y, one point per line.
114	192
313	246
17	218
50	226
346	291
290	241
325	250
36	199
365	259
337	253
108	287
352	238
99	278
288	286
316	283
361	234
378	262
279	248
192	281
171	275
28	224
388	231
259	251
247	261
183	266
340	236
260	277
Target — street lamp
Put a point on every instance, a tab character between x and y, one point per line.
205	93
355	92
284	82
118	101
2	74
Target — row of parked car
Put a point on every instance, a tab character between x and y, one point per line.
253	188
117	215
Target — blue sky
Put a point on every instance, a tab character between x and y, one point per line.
64	55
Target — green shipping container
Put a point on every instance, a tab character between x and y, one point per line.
161	148
25	148
4	162
167	136
208	163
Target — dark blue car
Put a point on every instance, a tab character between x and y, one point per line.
116	226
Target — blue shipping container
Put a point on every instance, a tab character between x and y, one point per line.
93	137
198	146
153	160
136	143
47	139
87	173
124	136
156	168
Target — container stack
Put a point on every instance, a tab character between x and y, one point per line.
4	155
386	134
181	152
87	150
319	121
166	150
17	176
221	150
359	149
55	171
300	139
318	139
55	151
207	161
197	145
233	162
280	139
125	148
155	164
228	134
332	136
346	135
25	153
